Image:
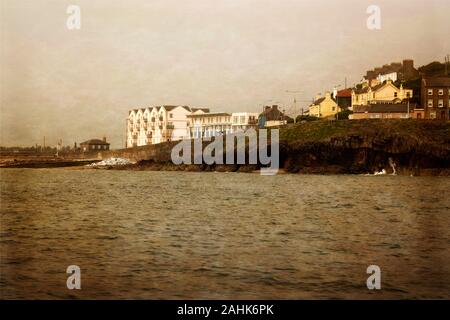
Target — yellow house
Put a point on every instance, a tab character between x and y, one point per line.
385	92
324	107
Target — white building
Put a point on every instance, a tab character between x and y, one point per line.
159	124
214	124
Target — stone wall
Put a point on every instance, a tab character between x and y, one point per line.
158	152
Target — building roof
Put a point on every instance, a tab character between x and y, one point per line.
168	108
273	114
384	108
318	101
95	141
436	81
345	93
203	109
199	115
374	88
361	90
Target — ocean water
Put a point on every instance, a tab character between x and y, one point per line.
173	235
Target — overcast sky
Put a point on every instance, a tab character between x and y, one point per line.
228	55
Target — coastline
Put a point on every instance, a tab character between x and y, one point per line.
414	147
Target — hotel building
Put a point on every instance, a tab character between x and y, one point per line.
159	124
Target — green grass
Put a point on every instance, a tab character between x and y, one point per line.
424	130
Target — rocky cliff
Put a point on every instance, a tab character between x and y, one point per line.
412	147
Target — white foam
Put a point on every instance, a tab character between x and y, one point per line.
111	162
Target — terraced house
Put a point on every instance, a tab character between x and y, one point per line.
436	97
158	124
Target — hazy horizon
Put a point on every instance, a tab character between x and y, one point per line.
224	55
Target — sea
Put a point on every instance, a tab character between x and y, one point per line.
209	235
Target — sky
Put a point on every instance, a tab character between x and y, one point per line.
227	55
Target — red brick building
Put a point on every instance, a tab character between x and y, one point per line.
435	93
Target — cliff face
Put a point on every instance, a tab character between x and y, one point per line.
413	147
366	154
368	146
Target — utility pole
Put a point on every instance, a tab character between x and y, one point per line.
447	60
408	108
337	100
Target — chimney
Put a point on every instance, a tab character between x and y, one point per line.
318	96
275	107
327	94
266	108
104	139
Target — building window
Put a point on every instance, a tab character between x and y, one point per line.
171	115
430	92
408	95
395	94
441	92
433	115
441	103
242	119
430	103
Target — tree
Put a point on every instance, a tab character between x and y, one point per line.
343	115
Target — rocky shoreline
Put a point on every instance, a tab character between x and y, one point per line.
412	147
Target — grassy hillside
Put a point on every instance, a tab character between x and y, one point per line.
419	130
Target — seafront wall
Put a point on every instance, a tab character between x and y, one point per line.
157	152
